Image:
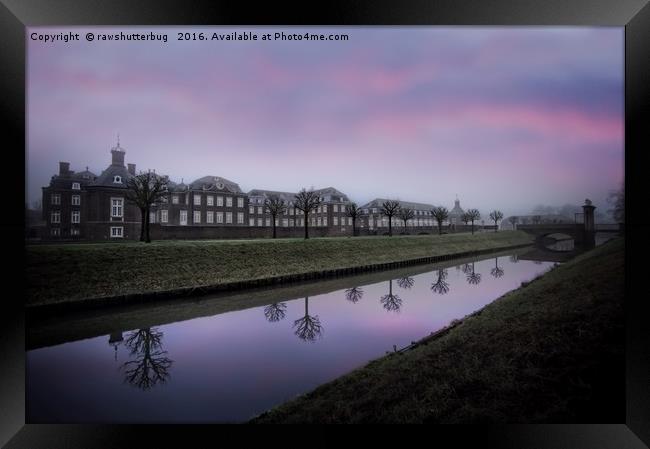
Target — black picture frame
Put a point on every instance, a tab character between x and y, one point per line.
634	15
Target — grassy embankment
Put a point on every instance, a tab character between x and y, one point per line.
74	272
551	351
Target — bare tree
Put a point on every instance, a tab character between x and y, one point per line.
473	215
354	294
497	271
275	312
441	286
353	212
390	209
465	218
473	277
391	302
513	221
307	201
617	200
406	282
308	327
150	364
275	206
495	216
145	190
405	214
440	214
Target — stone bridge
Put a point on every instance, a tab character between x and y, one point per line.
584	234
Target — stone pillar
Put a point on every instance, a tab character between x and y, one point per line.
589	227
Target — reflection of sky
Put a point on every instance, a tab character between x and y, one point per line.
488	107
237	364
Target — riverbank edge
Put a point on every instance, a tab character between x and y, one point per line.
271	415
178	293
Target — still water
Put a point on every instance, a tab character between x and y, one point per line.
232	366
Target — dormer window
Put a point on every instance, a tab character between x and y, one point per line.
76	186
117	179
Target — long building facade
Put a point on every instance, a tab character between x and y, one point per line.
85	206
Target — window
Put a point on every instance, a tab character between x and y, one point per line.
260	210
219	201
209	217
251	222
197	217
76	186
197	199
152	216
117	208
240	218
335	208
324	221
251	210
240	202
210	200
349	221
268	222
319	221
229	201
74	231
76	200
259	222
56	217
55	232
116	180
219	217
164	217
285	222
56	198
117	231
291	222
183	218
229	217
174	199
335	221
76	216
374	210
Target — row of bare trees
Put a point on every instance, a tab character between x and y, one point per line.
149	189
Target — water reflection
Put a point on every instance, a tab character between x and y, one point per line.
275	312
354	294
150	364
514	258
441	286
497	271
406	282
391	302
308	328
473	277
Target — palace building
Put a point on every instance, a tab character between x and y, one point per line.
90	207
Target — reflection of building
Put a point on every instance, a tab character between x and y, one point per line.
373	219
536	219
114	340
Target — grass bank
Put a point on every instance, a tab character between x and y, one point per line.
551	351
76	272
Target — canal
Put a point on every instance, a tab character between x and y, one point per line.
195	362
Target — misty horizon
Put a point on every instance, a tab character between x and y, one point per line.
503	117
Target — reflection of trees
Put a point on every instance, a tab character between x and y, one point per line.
150	364
353	294
537	262
406	282
473	277
467	268
497	271
391	302
275	312
308	327
441	286
514	258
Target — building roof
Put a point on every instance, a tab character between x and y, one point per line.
215	183
332	194
377	202
287	197
457	211
105	179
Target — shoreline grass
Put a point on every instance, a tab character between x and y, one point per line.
549	352
76	272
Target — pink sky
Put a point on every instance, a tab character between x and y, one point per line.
505	117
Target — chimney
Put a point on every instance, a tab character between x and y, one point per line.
118	157
64	168
132	169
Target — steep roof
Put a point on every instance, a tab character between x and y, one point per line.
287	197
215	183
105	179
